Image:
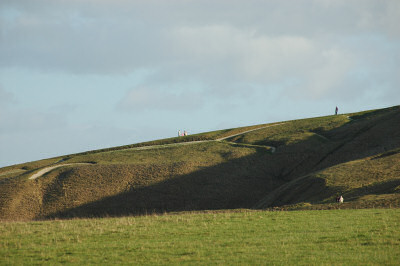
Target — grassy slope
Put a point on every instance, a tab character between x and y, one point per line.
314	158
200	176
242	237
365	183
357	159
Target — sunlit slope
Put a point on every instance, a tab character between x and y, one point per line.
212	175
358	159
364	183
306	161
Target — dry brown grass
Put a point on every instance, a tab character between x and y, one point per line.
315	159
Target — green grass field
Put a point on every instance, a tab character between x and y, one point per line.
200	194
366	237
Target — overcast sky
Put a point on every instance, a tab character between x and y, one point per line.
78	75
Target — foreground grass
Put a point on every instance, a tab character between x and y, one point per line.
241	237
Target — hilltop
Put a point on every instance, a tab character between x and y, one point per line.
299	164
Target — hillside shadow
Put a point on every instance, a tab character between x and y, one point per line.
243	182
238	183
357	140
386	187
315	191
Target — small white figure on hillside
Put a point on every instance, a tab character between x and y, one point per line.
339	199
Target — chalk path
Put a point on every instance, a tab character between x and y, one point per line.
201	141
50	168
242	133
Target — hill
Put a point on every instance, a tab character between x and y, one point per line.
300	164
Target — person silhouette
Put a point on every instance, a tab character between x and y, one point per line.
341	199
336	110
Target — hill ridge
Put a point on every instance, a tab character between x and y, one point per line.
313	160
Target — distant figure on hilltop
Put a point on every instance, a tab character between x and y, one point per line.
180	134
336	110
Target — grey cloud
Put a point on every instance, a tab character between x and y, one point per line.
93	48
23	146
226	46
121	36
6	97
15	119
146	98
24	120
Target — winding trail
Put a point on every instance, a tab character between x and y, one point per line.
202	141
161	146
273	149
50	168
245	132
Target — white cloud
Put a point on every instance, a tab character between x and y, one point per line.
316	66
239	53
147	98
221	61
225	46
6	97
29	120
122	36
327	78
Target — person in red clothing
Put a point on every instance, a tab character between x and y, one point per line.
336	110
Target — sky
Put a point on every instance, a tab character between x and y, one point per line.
78	75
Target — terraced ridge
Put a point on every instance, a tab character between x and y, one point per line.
291	165
47	169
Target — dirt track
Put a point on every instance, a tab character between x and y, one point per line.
201	141
50	168
242	133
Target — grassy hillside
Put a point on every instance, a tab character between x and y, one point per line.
296	164
339	237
